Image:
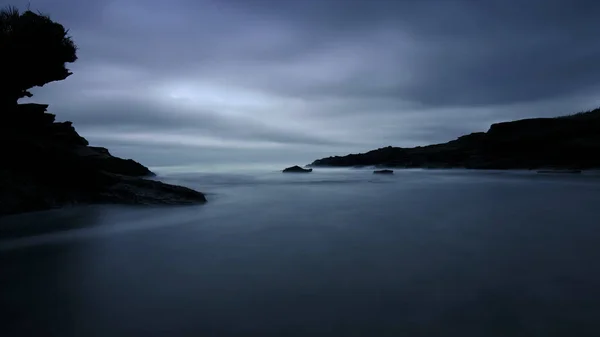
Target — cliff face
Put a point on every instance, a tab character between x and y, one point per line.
47	164
564	142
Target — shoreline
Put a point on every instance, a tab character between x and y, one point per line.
47	165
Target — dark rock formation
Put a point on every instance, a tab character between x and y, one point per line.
46	164
383	172
296	169
559	171
569	142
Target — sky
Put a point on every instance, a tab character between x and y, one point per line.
206	82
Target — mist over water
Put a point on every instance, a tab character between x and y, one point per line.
337	252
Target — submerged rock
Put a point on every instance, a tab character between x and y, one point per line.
46	164
559	171
297	169
383	172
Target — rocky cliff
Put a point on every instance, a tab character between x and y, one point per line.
571	142
46	164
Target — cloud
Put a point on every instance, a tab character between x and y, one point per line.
175	119
324	75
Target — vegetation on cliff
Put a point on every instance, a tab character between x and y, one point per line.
34	50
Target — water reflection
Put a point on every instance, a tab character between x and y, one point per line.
453	255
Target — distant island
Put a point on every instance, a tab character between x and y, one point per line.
567	142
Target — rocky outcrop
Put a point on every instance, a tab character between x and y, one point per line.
46	164
133	190
569	142
559	171
383	172
296	169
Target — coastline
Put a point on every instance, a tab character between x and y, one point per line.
47	164
570	142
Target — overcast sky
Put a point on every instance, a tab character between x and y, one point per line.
182	82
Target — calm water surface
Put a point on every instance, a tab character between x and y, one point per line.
331	253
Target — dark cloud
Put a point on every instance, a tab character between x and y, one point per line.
459	53
332	75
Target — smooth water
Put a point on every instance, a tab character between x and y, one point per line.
330	253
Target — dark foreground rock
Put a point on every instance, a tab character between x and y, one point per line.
383	172
46	164
297	169
570	142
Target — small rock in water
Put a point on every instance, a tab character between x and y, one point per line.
560	171
297	169
383	172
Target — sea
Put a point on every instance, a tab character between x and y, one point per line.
335	252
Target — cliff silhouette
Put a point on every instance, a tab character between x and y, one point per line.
567	142
46	164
